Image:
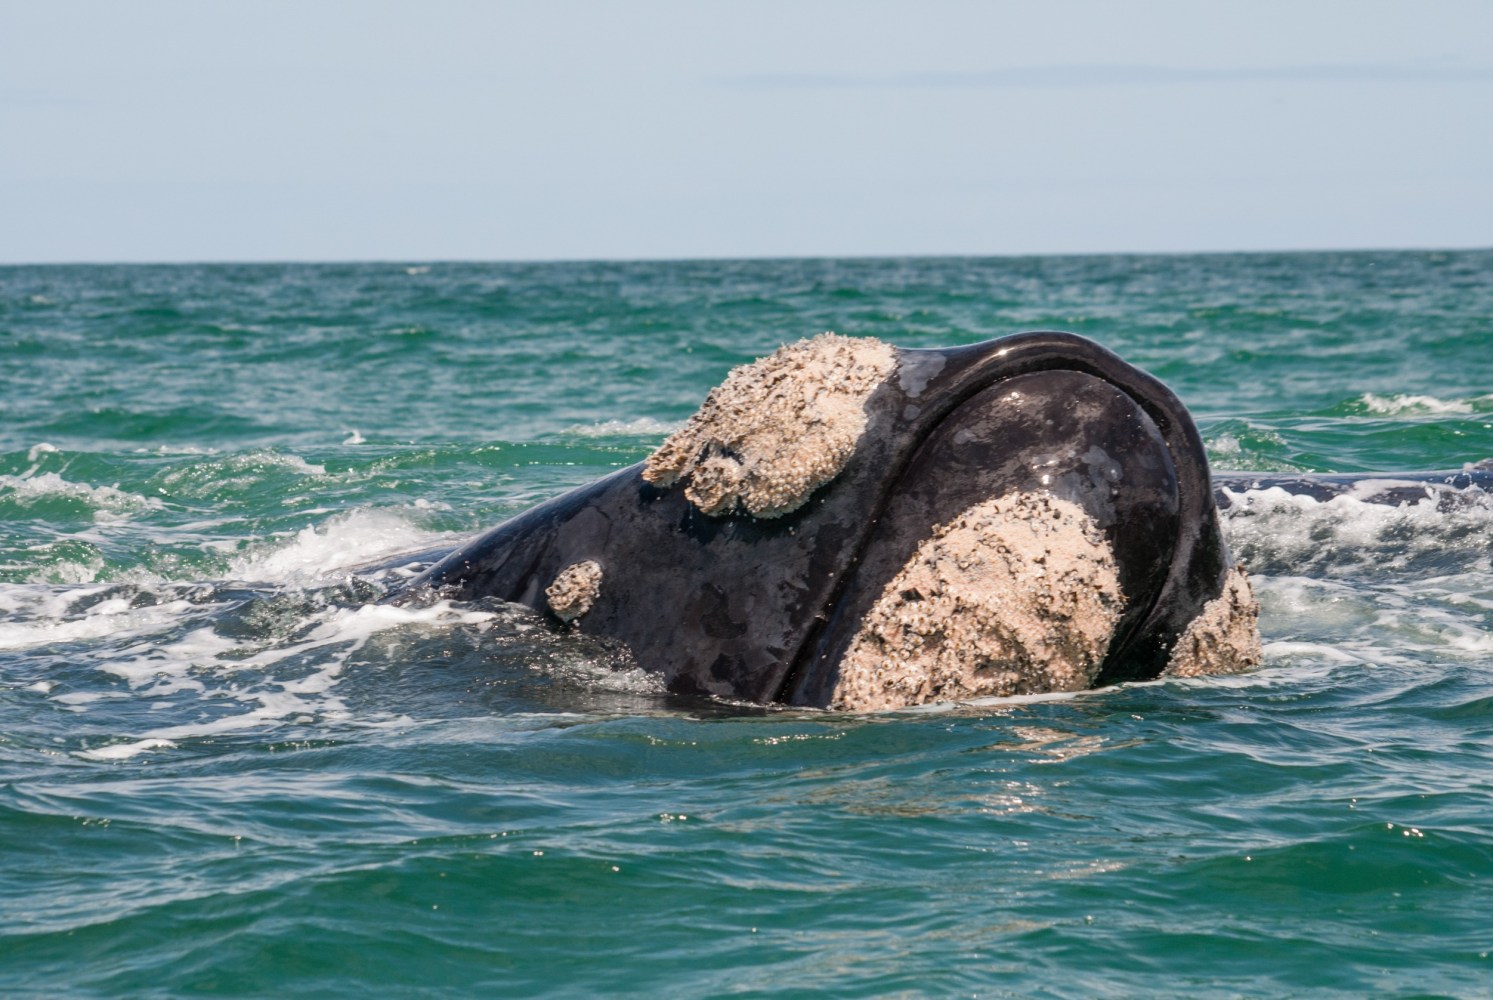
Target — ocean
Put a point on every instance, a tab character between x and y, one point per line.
225	771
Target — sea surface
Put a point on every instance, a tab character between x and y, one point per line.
224	772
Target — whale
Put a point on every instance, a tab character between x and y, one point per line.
853	526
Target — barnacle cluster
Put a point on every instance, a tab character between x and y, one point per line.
574	590
1017	595
776	429
1225	636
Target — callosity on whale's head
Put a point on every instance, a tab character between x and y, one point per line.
850	525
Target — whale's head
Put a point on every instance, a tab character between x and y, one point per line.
850	525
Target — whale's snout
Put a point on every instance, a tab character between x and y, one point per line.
844	524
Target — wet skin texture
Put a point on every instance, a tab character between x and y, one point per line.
761	609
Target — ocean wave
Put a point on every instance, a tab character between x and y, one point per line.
1277	532
40	449
29	490
231	474
1247	447
45	616
335	546
640	427
1335	623
254	677
1410	404
179	449
219	664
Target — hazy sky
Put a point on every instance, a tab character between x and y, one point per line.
306	130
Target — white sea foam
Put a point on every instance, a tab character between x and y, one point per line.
112	618
218	664
641	427
321	552
84	570
29	489
1404	404
176	449
170	640
1378	622
40	449
1350	583
294	463
74	699
266	678
1281	532
1224	444
123	751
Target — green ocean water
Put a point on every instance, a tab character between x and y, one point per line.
224	773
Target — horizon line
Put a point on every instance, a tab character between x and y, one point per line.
744	258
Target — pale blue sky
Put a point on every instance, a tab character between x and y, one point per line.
307	130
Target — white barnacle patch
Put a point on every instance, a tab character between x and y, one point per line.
1017	595
776	429
574	590
1225	636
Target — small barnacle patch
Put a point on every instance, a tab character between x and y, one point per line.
574	590
1225	636
776	429
1017	595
